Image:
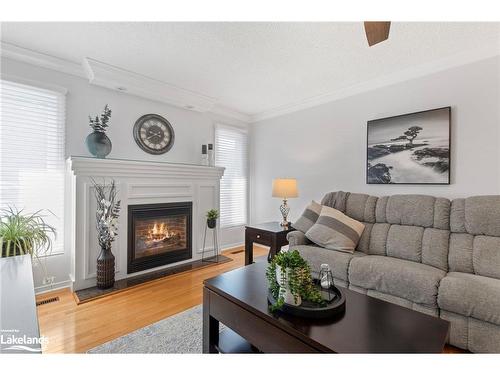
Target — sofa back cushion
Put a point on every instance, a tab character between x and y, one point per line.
411	227
475	237
360	207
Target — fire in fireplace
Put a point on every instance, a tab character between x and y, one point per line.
159	234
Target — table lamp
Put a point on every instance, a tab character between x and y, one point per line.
285	188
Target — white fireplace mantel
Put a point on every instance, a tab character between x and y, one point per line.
138	182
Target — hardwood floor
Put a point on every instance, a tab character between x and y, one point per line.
72	328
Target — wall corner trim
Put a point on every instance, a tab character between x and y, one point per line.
422	70
43	60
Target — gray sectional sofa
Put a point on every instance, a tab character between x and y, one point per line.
429	254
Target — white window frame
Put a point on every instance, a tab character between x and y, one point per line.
61	92
247	167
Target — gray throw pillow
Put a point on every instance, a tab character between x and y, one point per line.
336	231
308	217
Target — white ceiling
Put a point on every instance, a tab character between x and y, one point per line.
253	67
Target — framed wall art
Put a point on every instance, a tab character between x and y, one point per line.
409	149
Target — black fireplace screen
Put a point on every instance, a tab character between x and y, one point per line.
159	234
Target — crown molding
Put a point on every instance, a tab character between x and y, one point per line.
422	70
43	60
111	77
114	78
224	111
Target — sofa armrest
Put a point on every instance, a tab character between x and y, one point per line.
296	238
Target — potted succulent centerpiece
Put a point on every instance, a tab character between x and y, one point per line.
212	216
24	233
107	213
98	142
290	281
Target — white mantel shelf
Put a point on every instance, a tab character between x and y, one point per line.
87	166
138	182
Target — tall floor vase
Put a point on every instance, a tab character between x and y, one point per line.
105	269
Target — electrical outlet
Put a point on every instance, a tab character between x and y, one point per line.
48	280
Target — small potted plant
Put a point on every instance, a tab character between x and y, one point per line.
212	216
22	233
98	142
290	280
107	213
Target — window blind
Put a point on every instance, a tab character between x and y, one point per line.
32	152
231	152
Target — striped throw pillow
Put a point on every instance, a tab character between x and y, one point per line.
308	217
336	231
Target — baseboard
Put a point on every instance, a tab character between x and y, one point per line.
54	286
232	246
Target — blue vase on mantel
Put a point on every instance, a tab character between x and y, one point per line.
98	144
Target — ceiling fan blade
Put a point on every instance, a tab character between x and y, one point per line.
377	32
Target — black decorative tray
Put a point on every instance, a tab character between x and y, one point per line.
308	309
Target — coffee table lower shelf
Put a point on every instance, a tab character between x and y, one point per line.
232	343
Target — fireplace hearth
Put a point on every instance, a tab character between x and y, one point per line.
158	234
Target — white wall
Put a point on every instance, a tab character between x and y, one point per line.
192	129
325	147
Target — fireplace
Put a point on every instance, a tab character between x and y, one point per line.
158	234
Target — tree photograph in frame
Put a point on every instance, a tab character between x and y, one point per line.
409	149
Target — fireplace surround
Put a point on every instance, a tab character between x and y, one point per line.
139	183
158	234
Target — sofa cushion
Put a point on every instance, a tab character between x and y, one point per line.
308	217
479	255
471	295
338	261
405	242
479	215
296	237
435	248
336	231
361	207
401	278
482	215
413	209
358	206
378	239
486	256
460	253
457	216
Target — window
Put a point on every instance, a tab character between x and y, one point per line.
231	152
32	152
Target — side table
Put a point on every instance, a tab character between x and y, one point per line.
270	234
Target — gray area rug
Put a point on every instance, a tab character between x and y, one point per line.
181	333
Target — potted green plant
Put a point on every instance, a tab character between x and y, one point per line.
98	142
290	280
212	216
22	233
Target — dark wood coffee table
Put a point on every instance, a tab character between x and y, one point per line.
238	299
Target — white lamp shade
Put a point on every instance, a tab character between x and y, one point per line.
285	188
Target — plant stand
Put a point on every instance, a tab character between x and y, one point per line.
216	246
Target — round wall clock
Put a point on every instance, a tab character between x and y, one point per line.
154	134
